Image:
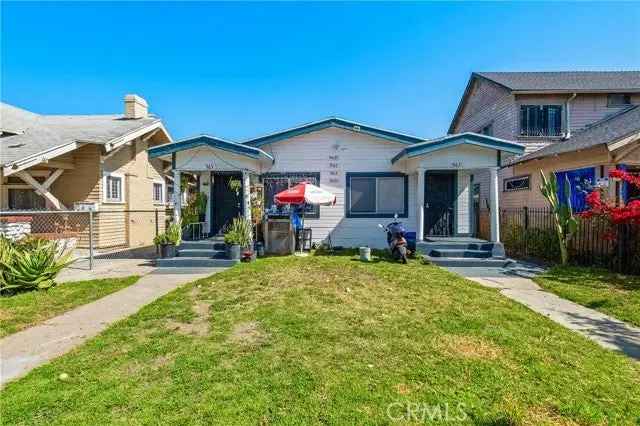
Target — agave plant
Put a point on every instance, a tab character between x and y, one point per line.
31	266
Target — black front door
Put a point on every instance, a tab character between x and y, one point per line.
439	203
226	199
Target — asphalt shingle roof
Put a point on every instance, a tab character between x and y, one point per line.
609	129
614	81
31	133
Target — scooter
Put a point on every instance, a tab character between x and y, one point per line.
396	239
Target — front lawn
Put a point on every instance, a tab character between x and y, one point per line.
614	294
24	310
330	340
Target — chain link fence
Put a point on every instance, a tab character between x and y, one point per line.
93	237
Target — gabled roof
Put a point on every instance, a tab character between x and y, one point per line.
459	139
28	134
555	82
605	131
210	141
334	122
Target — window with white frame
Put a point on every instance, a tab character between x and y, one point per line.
518	183
376	194
114	188
158	192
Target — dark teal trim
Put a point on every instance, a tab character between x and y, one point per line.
236	148
334	122
173	160
347	203
459	139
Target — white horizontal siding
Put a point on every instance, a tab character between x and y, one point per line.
355	153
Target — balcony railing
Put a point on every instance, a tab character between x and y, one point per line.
542	132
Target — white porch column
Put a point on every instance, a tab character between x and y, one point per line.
246	195
494	204
177	196
420	206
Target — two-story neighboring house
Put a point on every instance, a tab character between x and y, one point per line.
577	124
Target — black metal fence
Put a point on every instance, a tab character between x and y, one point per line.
529	233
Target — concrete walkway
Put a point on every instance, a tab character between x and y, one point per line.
23	351
603	329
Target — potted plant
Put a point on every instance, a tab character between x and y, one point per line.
169	240
167	248
237	237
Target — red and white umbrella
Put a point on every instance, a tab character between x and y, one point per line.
305	193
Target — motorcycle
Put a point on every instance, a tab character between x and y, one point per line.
396	239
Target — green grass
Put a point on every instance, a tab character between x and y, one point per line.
330	340
614	294
24	310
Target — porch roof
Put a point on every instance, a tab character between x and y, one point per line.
459	139
212	142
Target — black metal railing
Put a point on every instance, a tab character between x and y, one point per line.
530	233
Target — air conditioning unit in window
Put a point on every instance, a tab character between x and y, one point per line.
84	206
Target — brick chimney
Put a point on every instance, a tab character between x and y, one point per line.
135	107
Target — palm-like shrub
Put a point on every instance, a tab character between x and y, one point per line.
238	232
32	265
565	222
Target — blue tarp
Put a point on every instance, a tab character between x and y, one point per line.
581	181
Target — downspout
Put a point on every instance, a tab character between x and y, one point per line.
567	134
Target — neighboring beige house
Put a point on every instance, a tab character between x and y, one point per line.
579	124
85	162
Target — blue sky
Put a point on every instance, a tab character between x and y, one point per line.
238	70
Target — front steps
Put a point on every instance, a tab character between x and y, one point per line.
199	254
463	252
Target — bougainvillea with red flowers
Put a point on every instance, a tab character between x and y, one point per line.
600	207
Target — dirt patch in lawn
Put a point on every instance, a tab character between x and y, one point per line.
248	334
467	347
199	326
546	416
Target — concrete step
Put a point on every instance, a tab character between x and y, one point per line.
194	262
491	262
210	253
202	245
428	246
466	253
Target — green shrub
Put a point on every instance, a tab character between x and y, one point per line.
161	239
238	232
30	265
174	233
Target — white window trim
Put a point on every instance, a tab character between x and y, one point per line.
505	180
104	188
163	192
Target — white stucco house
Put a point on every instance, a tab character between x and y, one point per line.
375	173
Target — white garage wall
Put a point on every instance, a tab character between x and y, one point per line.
334	152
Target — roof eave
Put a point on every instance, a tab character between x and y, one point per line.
337	123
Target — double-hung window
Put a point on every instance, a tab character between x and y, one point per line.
113	188
376	194
158	192
540	120
278	182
